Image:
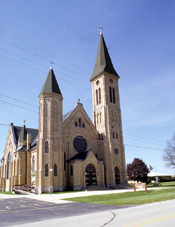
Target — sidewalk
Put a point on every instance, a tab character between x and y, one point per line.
57	198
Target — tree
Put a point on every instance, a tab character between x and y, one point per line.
169	153
137	170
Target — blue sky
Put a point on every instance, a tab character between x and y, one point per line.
140	36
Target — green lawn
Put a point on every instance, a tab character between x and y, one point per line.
9	193
163	184
128	198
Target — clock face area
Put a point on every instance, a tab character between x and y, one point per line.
80	144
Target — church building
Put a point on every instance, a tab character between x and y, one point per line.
69	151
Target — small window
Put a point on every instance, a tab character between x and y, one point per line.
110	94
111	81
76	124
46	170
116	151
97	97
97	118
71	170
113	135
100	117
99	91
33	164
55	170
83	125
8	165
116	135
46	147
113	95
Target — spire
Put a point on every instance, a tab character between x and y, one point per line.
51	85
23	134
103	61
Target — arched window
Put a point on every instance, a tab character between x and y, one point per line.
99	91
79	122
97	97
8	165
46	170
64	161
110	94
55	170
76	124
117	175
113	135
97	118
33	164
100	117
83	125
113	95
46	147
71	170
116	135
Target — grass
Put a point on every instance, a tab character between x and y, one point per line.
8	193
163	184
128	198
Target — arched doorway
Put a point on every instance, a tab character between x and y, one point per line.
90	175
117	175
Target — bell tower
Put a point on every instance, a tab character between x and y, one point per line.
50	155
107	115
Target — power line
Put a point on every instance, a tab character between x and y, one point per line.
18	100
142	137
4	124
36	48
149	148
142	141
45	72
65	74
71	75
18	106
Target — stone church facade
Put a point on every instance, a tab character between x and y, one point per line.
70	152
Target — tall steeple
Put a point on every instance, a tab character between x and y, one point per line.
50	155
107	115
51	85
103	61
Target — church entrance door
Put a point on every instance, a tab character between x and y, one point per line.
90	175
117	175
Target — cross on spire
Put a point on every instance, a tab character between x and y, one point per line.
101	30
51	62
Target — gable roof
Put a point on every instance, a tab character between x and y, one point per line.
65	116
79	106
33	132
79	156
103	61
51	85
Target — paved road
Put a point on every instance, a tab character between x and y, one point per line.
49	210
19	211
161	214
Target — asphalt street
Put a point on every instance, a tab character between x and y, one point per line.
20	211
160	214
